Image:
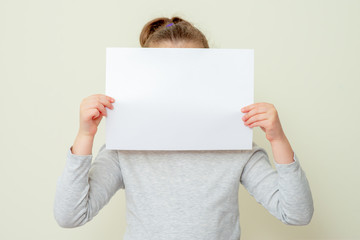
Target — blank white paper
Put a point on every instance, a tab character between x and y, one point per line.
178	98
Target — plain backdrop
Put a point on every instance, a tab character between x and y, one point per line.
52	55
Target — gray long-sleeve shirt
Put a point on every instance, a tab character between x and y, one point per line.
173	195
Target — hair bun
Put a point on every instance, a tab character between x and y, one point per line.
183	31
151	27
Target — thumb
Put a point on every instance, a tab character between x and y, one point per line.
96	115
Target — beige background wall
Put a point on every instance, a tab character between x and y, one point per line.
307	63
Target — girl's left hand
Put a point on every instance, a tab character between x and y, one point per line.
264	115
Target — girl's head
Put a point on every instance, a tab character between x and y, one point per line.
174	32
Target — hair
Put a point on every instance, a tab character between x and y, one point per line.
159	30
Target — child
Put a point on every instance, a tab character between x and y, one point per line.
180	194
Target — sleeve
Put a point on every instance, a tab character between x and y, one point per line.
284	192
84	188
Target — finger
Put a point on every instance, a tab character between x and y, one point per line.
255	105
99	107
249	107
256	118
96	116
106	101
94	103
93	114
110	99
253	112
261	124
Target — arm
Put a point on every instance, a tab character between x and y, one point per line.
84	188
285	192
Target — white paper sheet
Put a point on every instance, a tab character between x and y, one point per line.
178	98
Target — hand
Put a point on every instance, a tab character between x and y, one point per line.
92	109
265	116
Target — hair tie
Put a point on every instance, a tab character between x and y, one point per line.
170	24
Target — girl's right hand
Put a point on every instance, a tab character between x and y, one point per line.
92	109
